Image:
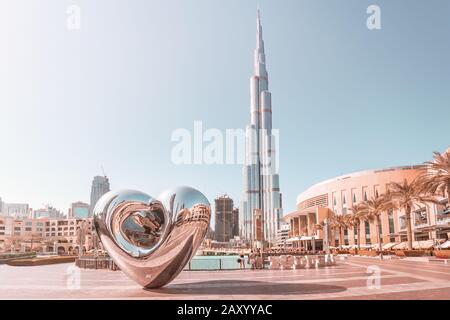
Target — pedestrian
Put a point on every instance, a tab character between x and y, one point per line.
258	259
251	259
241	261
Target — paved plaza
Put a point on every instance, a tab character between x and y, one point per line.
354	278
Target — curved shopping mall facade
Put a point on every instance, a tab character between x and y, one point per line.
337	195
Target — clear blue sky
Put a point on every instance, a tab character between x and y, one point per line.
344	98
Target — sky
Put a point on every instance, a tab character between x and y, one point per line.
110	94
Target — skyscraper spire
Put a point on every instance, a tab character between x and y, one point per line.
259	50
258	18
261	191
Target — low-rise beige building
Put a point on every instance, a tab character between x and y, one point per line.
46	235
335	197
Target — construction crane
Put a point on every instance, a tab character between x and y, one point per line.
103	171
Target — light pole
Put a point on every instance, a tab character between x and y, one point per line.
80	240
326	236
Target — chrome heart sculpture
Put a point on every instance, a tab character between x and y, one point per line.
152	239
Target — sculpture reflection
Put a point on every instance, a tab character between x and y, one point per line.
151	240
143	228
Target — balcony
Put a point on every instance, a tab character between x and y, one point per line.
420	223
443	216
443	219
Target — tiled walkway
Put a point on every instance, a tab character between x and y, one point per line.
355	278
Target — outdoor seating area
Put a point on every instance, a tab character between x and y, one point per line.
392	246
445	245
288	262
418	245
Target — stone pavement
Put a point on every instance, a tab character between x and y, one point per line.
355	278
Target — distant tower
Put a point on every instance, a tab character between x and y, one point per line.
79	210
223	230
235	223
261	189
100	186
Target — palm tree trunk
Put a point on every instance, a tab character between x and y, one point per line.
341	238
359	235
379	236
408	227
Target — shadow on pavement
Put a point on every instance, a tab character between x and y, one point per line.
235	287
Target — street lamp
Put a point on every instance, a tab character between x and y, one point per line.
326	236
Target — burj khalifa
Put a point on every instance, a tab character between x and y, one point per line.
261	189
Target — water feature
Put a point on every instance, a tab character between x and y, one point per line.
215	263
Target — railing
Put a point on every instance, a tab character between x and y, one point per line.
5	257
421	225
96	263
443	219
16	255
419	222
198	264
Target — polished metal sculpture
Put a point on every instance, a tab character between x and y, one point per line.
152	239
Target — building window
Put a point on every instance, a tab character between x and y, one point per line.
391	221
346	237
367	229
365	196
354	198
402	222
421	217
27	228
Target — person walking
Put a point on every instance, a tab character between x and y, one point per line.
251	259
241	261
259	261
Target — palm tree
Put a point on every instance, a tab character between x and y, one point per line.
323	226
339	222
408	196
318	226
357	211
373	209
435	177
